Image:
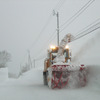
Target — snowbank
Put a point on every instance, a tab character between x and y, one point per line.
30	87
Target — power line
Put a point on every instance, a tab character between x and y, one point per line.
88	31
77	14
80	32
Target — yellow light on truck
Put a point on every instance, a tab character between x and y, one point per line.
52	47
67	47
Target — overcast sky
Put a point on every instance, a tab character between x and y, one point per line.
21	22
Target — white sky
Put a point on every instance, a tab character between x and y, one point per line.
22	20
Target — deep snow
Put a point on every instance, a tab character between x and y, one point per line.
30	87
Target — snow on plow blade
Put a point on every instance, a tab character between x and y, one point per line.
60	76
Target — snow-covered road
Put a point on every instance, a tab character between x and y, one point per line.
30	87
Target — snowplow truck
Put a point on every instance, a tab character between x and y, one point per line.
59	72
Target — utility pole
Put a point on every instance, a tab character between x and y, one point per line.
57	15
34	63
57	28
29	59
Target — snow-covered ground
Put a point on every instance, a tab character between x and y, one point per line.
30	87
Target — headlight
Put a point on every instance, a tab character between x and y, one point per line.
52	47
67	47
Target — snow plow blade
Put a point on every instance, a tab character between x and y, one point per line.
65	75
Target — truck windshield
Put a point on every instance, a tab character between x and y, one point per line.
54	55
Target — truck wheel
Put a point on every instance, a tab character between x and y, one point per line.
45	78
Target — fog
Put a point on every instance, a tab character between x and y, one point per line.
87	47
21	22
